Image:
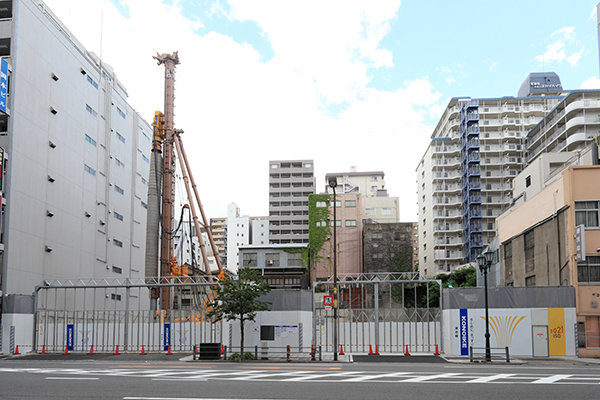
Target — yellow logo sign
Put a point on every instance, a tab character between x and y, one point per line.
504	328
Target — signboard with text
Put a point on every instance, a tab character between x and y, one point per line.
3	84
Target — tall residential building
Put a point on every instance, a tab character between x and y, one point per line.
290	184
464	180
260	230
218	230
238	234
75	189
378	206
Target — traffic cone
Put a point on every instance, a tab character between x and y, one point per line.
406	352
370	350
117	351
143	351
376	349
437	351
222	349
44	349
91	350
17	350
169	350
341	350
66	353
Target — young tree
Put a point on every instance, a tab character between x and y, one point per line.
237	299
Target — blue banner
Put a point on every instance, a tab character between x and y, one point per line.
464	332
70	332
167	336
3	84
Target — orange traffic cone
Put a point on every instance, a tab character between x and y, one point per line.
437	351
117	351
66	351
91	350
341	350
44	349
370	350
17	350
376	349
406	352
169	350
143	351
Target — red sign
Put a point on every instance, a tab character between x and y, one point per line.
328	302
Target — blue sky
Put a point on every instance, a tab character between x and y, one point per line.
345	83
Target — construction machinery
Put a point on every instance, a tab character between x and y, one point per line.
168	156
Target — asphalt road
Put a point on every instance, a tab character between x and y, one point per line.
161	380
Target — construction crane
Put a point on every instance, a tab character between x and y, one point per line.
167	151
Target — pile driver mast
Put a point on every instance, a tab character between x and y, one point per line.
166	140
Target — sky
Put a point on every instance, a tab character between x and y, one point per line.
344	83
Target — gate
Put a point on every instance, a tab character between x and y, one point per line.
382	312
106	313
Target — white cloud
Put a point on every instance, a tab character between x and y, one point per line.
493	67
593	13
564	46
591	83
239	112
450	80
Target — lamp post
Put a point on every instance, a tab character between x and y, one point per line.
484	261
333	185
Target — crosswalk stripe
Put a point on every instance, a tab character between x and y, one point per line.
491	378
429	377
552	379
367	377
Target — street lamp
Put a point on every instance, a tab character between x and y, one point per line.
333	185
484	261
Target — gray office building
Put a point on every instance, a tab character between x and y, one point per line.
290	184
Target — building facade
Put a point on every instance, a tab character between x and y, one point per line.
388	247
75	187
239	233
290	184
281	265
464	180
218	230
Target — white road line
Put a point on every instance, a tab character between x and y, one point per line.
313	376
429	377
552	379
491	378
367	377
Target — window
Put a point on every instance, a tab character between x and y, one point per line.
117	270
588	271
376	235
377	256
529	251
144	181
120	137
294	259
586	213
272	259
117	243
508	262
146	159
350	222
321	204
89	170
369	211
321	223
144	205
119	163
274	166
350	203
250	259
90	140
92	82
374	178
119	190
490	226
592	331
337	223
114	296
307	165
386	211
121	113
91	110
530	281
146	137
373	187
528	181
118	216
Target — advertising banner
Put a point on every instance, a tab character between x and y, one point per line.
3	84
556	332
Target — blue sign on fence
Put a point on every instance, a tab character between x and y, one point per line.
464	332
70	333
167	336
3	84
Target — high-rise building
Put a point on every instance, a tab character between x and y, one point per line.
290	184
75	189
239	233
218	230
464	180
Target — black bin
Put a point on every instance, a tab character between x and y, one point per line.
209	351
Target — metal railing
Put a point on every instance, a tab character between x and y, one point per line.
498	353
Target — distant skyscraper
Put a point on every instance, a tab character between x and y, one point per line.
290	184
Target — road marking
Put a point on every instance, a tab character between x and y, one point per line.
552	379
367	377
429	377
306	377
491	378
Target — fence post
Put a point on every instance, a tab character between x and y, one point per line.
224	352
507	357
256	352
471	353
287	353
320	353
